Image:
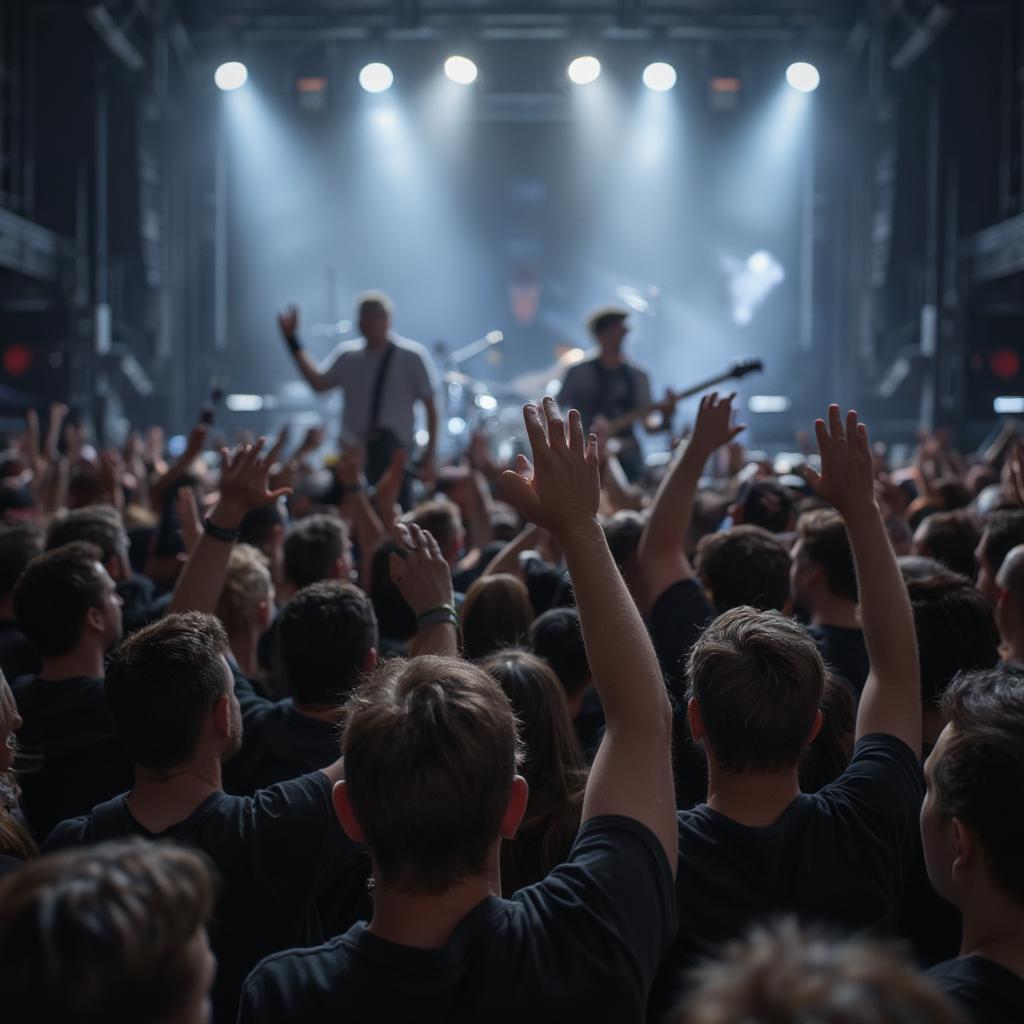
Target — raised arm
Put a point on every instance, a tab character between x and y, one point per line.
891	701
424	579
288	321
632	773
662	557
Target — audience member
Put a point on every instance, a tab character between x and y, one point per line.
744	565
19	544
952	538
1010	605
443	521
1004	530
315	548
16	845
829	753
764	503
246	606
495	614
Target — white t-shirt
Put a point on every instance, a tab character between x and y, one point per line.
410	378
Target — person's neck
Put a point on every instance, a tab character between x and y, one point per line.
610	358
84	660
157	801
378	342
245	650
993	927
427	922
830	610
752	800
321	712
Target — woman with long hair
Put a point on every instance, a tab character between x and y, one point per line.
497	613
16	845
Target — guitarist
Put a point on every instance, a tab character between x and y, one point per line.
383	377
606	385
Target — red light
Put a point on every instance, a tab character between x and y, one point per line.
17	360
1005	363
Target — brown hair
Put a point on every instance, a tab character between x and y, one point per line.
826	543
757	678
781	972
246	585
745	565
100	933
430	750
441	518
15	840
497	613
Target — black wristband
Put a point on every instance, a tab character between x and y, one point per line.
293	343
219	532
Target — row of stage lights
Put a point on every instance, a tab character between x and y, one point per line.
658	77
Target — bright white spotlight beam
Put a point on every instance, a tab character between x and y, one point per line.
803	77
584	70
230	76
376	77
659	76
460	70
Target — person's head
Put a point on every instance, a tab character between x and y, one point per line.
262	527
497	613
756	682
317	548
822	561
744	565
765	503
1010	597
828	756
327	639
443	521
10	723
246	603
782	973
100	525
114	932
15	840
971	827
1003	530
19	544
557	637
917	567
396	621
950	537
374	311
66	601
172	696
608	327
431	755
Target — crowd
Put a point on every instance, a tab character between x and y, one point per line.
739	743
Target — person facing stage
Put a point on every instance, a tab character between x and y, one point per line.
383	376
607	385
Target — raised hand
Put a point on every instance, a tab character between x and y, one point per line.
714	427
348	470
189	520
288	321
389	486
421	573
847	477
243	483
196	442
562	488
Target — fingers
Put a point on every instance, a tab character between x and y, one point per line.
576	441
535	430
821	433
556	425
593	453
519	493
524	467
835	424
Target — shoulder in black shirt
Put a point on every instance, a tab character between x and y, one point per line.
986	991
845	652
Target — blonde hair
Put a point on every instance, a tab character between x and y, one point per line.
246	586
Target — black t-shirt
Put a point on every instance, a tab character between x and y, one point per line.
142	604
278	742
582	944
845	652
986	991
17	655
274	851
836	857
72	757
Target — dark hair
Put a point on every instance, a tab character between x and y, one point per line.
956	631
557	637
604	317
15	840
978	775
100	933
553	767
952	538
259	523
441	518
745	565
100	525
497	613
312	547
766	503
395	619
824	542
324	635
19	544
757	678
829	753
623	531
162	682
1004	530
430	752
53	595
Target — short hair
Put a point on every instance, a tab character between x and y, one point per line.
162	682
101	933
19	544
978	774
259	523
825	542
246	586
324	634
1004	530
745	565
441	518
430	750
53	595
496	613
623	531
100	525
956	631
604	317
781	972
375	299
757	678
767	503
395	619
952	538
312	547
557	637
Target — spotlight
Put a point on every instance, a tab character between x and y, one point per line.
460	70
231	76
376	78
584	70
659	77
803	77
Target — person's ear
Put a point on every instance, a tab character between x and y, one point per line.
697	730
264	614
94	620
819	719
518	798
346	813
222	716
966	849
370	660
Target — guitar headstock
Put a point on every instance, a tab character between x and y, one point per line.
742	367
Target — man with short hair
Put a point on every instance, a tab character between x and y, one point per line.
316	548
973	836
19	544
1009	605
67	605
431	756
443	521
950	537
765	503
115	932
1004	530
744	565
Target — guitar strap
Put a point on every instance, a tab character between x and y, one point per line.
378	388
